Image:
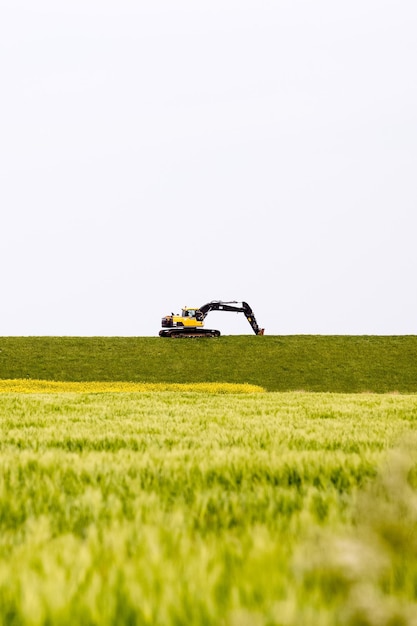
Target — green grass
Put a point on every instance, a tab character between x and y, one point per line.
190	508
311	363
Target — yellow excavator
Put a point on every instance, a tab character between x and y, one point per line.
190	323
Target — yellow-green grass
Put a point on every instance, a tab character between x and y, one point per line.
201	508
26	385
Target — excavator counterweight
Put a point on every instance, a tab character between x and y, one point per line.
190	324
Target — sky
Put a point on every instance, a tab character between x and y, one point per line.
168	153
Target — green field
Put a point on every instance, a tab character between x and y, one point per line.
210	504
196	508
309	363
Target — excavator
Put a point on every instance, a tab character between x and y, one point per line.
190	323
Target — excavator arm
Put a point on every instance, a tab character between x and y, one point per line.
218	305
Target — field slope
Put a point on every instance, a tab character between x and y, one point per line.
277	363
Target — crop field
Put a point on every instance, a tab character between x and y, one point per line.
193	506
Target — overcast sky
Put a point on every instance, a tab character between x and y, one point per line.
167	153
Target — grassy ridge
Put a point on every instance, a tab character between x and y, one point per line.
278	363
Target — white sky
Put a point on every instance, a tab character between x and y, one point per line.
167	153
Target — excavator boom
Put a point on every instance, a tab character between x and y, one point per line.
218	305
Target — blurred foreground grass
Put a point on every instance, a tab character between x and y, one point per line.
193	508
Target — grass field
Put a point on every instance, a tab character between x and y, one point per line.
310	363
204	508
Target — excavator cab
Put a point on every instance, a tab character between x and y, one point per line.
190	313
188	318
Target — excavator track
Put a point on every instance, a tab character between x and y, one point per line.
188	333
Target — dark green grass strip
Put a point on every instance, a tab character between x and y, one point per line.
277	363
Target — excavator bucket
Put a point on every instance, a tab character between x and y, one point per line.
261	331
